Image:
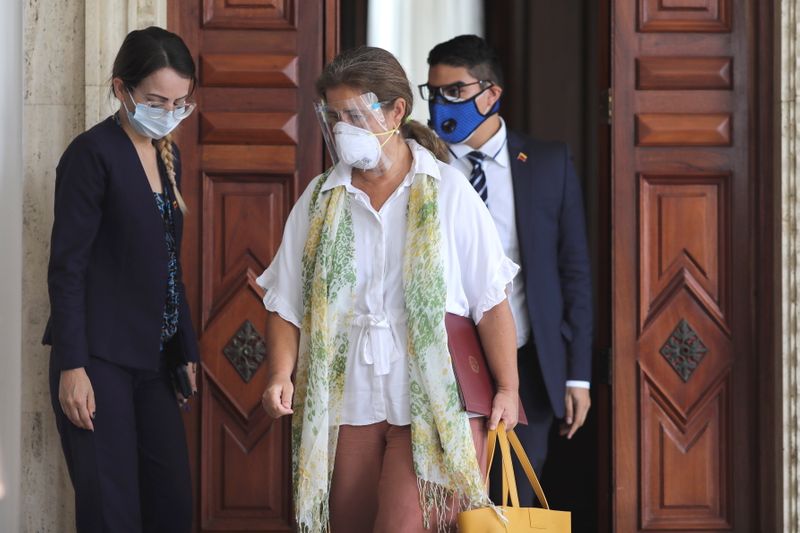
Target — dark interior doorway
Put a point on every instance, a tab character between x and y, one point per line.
557	66
556	61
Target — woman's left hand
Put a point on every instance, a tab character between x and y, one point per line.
191	371
505	407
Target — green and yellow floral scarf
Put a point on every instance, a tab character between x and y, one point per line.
438	422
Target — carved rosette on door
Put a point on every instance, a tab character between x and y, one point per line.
248	155
681	208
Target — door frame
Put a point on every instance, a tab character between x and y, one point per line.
765	162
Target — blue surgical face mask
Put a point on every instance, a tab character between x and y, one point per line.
145	124
455	122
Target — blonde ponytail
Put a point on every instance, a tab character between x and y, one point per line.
426	138
164	147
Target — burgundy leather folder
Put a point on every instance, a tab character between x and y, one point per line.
475	383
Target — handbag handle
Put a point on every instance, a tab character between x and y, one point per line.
509	482
509	478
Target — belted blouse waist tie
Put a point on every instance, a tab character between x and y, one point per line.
376	344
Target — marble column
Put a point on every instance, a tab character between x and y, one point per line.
69	47
790	252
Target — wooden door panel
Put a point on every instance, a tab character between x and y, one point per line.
682	354
248	153
696	495
684	15
248	70
248	128
683	129
243	226
683	385
684	73
254	14
673	258
246	158
244	469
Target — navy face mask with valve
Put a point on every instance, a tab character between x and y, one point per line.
454	122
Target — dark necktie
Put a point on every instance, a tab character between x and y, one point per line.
478	177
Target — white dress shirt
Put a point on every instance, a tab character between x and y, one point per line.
500	201
477	273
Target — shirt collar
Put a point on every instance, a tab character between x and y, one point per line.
423	162
495	145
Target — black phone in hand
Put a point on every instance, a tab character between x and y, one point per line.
180	380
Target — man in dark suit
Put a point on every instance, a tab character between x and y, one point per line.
534	196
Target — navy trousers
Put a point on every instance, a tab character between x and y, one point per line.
535	435
131	475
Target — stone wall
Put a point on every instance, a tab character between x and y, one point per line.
69	47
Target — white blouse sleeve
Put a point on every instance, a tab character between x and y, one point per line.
282	280
486	272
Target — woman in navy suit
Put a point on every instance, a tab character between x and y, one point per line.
120	328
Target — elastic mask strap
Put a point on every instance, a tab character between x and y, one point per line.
132	101
388	133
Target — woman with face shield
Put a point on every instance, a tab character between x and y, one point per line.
374	254
124	349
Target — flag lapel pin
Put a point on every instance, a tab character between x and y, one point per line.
522	156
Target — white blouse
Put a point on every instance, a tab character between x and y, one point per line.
477	273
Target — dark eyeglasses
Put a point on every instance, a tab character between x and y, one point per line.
452	92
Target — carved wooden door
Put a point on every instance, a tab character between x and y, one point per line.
248	153
683	358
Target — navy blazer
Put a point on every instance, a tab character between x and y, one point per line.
555	261
107	275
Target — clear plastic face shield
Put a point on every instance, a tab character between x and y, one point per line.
355	131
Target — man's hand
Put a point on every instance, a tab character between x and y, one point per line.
76	396
578	402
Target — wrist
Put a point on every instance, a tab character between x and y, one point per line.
278	375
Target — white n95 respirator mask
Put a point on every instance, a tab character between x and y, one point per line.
357	147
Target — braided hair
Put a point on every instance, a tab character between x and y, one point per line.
164	147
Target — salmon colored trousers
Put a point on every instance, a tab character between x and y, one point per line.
374	487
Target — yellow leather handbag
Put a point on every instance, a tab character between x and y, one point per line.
520	519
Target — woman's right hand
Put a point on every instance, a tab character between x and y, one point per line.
76	396
277	397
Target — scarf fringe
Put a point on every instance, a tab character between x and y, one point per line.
436	498
433	498
317	520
